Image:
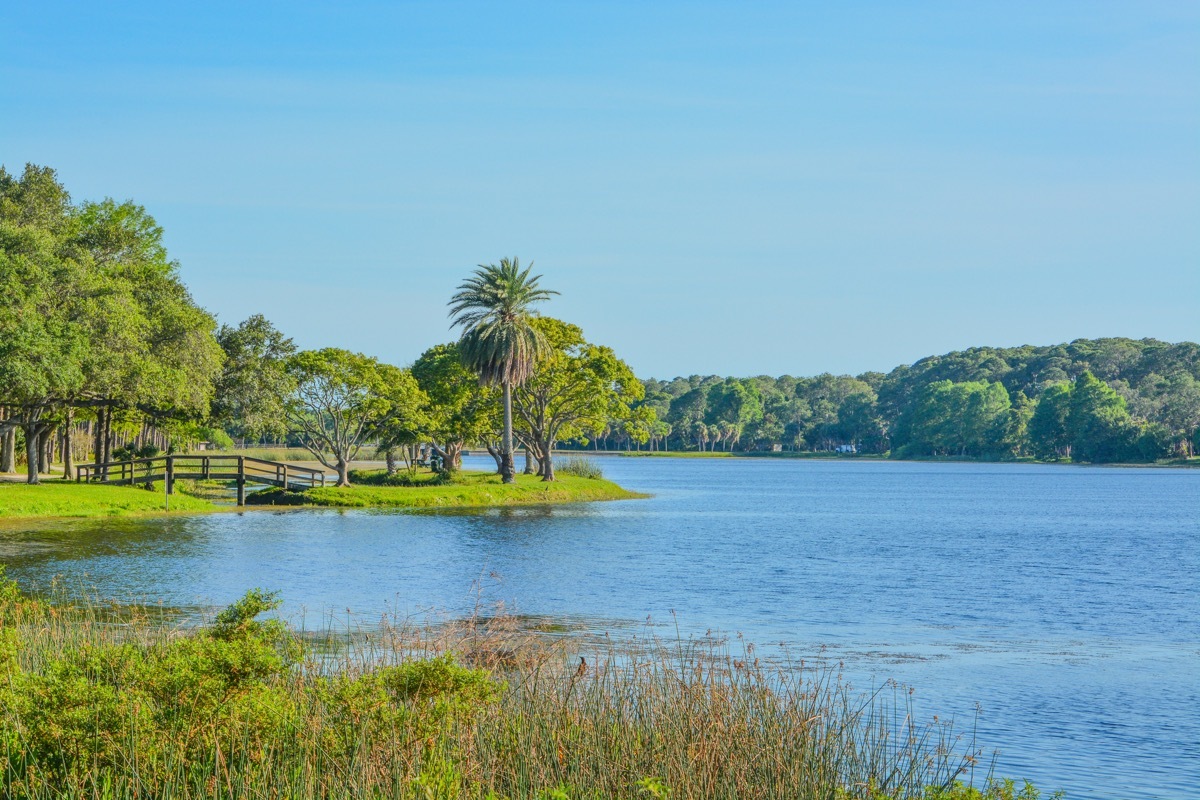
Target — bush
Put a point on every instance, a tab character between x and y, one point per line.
580	467
380	477
144	709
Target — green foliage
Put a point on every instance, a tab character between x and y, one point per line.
1099	426
409	478
580	467
94	312
216	438
146	709
963	419
1159	382
992	790
1048	434
342	398
494	308
577	390
461	410
254	381
466	490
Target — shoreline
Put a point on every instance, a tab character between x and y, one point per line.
57	499
1192	463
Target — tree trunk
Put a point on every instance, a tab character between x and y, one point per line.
495	454
547	463
33	442
68	456
47	444
390	457
98	436
508	470
529	467
454	456
343	471
8	450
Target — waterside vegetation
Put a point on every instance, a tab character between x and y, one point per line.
247	708
378	489
67	499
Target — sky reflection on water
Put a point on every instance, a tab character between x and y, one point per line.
1063	600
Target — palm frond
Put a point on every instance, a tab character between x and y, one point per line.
494	307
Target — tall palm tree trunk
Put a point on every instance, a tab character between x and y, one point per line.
507	470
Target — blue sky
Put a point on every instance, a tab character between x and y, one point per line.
734	188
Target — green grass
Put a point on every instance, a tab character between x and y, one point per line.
56	498
468	490
474	710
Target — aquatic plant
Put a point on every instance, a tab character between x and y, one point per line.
95	703
579	466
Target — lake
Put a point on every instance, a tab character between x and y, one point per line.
1062	600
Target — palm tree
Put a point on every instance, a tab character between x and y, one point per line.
494	308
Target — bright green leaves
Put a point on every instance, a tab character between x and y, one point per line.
958	419
340	399
577	390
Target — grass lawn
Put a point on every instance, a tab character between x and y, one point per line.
68	499
469	490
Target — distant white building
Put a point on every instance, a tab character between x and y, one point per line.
846	448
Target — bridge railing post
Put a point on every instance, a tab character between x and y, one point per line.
170	474
241	480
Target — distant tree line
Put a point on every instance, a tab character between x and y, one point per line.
1101	400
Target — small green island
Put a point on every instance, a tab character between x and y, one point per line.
371	489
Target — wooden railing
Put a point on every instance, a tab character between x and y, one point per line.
241	469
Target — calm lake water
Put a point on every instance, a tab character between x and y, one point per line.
1064	601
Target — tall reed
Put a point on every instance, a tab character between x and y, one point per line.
102	702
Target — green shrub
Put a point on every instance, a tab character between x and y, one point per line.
580	467
144	709
404	477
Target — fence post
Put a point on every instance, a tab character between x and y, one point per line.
285	482
170	474
241	481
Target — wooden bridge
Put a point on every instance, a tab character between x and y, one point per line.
241	469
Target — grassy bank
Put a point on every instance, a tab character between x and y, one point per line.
55	498
248	709
467	490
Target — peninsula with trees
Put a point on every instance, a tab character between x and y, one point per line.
105	356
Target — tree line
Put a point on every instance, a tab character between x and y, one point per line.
1101	400
103	353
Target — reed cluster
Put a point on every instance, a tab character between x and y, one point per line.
579	466
105	702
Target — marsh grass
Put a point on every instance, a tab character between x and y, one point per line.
104	705
579	466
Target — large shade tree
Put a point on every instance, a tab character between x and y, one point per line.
94	317
577	390
494	308
342	399
254	381
461	410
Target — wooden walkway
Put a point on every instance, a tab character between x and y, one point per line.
241	469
